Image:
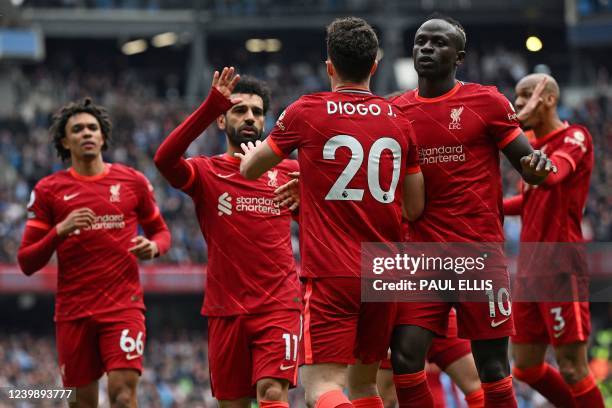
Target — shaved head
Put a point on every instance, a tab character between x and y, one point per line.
530	82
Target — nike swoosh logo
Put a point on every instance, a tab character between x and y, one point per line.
557	335
225	175
495	324
132	356
285	368
68	197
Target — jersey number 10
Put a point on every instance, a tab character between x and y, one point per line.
339	191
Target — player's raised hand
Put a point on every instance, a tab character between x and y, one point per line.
247	148
537	164
289	193
532	104
144	248
79	218
225	82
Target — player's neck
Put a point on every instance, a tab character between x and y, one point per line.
433	88
88	167
547	127
337	84
231	149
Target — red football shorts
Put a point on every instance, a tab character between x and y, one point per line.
444	350
90	346
339	328
243	349
489	319
555	323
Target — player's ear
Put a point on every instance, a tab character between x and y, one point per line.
331	71
221	122
460	58
374	67
550	100
65	144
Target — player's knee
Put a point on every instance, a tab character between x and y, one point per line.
362	390
271	390
311	397
408	356
406	361
573	371
493	370
123	397
122	394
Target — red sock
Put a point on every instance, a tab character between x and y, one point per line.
368	402
548	382
499	394
273	404
586	393
333	399
412	390
436	388
475	399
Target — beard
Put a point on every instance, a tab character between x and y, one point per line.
236	137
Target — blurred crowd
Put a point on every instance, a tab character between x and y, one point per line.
175	370
143	113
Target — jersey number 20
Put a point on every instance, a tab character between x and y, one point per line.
339	190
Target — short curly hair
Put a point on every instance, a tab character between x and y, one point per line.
253	86
61	117
352	46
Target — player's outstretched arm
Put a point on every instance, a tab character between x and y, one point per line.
533	165
414	196
169	156
38	243
257	159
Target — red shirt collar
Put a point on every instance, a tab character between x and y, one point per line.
539	142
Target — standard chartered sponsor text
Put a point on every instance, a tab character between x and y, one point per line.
441	154
107	221
260	205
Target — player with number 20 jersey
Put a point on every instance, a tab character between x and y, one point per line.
354	148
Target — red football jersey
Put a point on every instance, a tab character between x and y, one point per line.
459	136
554	213
354	151
96	273
250	261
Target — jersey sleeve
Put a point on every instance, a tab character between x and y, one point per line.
575	145
147	209
285	136
412	160
40	214
198	174
501	121
412	157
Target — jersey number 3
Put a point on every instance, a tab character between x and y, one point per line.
339	190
